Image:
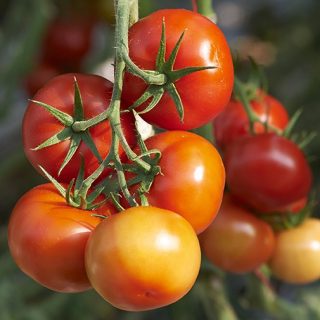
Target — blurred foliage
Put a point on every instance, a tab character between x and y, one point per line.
284	36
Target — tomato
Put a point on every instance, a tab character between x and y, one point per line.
296	258
192	177
39	125
294	207
233	121
67	41
205	93
38	77
143	258
237	241
47	238
267	171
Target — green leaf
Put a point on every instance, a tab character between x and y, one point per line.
168	66
177	74
115	201
78	104
69	192
57	185
61	116
257	76
144	97
155	100
87	139
288	130
160	61
80	178
62	135
172	90
74	145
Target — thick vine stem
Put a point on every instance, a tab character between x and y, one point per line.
205	8
134	12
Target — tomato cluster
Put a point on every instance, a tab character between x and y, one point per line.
264	215
122	215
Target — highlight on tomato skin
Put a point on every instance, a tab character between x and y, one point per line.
267	172
237	241
47	238
192	177
143	258
233	122
296	258
204	93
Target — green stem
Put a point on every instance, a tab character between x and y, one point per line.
151	77
238	87
134	12
205	8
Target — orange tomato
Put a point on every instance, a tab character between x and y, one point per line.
143	258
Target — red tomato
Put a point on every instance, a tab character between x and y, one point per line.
38	125
192	177
143	258
292	208
267	171
237	241
205	93
66	42
47	238
233	121
296	258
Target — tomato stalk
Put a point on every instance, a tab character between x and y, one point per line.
205	8
243	96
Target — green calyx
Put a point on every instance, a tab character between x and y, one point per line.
76	193
288	220
163	78
67	133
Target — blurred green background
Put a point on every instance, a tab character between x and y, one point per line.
281	35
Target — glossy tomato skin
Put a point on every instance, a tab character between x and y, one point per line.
204	94
267	172
296	258
47	239
237	241
38	125
66	42
143	258
233	123
192	177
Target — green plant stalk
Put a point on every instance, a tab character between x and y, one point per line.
205	8
134	12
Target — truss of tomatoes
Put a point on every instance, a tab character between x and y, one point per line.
143	257
269	182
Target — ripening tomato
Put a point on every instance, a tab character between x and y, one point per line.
47	238
237	241
292	208
192	177
296	258
233	121
143	258
66	42
204	93
267	171
39	125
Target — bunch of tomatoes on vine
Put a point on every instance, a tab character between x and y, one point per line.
129	217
